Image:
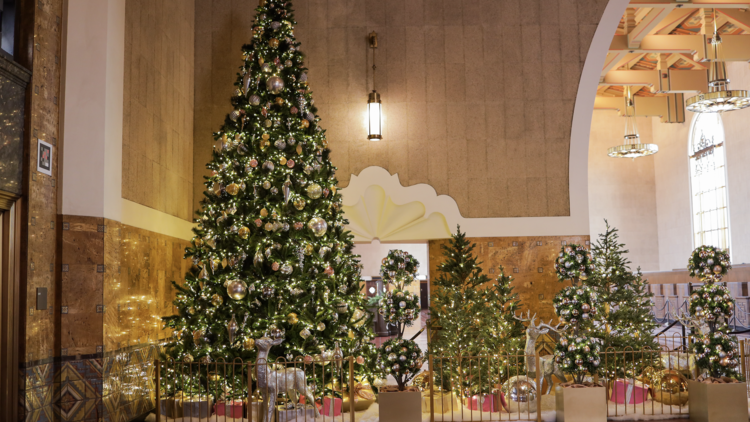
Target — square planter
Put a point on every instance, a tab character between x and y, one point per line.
400	406
581	404
717	402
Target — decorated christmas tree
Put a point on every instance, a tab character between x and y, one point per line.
471	317
271	257
711	306
399	357
625	321
577	352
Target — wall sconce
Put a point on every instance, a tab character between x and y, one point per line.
374	108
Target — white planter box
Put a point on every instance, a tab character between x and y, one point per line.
717	402
581	404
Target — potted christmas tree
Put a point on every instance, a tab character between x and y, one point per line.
718	394
577	352
400	358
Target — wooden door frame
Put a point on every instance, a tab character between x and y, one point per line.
10	305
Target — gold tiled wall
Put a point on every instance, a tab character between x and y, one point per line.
530	260
157	144
42	194
478	95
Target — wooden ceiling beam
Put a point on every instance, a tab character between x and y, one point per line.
738	17
696	4
613	60
669	23
647	24
688	44
667	107
736	48
657	81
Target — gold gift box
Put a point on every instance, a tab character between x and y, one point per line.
364	397
443	401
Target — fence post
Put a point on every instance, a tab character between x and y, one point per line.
249	394
158	390
742	358
432	389
351	389
538	387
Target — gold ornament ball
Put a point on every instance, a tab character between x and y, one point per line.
273	43
237	289
717	269
318	226
671	388
299	149
275	84
263	212
305	124
269	227
233	189
292	318
188	358
248	344
299	204
244	232
279	101
282	161
216	300
358	318
314	191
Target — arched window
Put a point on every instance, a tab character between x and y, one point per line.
708	181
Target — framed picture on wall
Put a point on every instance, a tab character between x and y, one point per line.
44	158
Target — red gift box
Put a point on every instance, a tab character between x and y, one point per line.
232	409
485	401
625	392
330	407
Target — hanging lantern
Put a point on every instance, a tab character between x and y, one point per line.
719	97
374	109
632	147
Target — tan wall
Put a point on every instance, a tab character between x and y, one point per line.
526	255
157	144
610	191
623	190
478	95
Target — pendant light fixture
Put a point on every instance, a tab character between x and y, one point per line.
719	97
374	109
632	148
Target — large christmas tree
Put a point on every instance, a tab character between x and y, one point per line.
625	321
270	253
471	317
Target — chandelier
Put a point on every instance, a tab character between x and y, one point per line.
719	97
632	148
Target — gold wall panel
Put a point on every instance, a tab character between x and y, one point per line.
157	135
478	96
530	260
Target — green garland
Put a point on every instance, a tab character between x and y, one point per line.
574	262
399	268
709	263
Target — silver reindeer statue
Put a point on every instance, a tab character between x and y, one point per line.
549	367
271	382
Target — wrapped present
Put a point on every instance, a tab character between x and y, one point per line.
442	401
499	398
364	397
483	402
298	413
256	413
331	406
197	406
681	362
171	407
625	391
231	408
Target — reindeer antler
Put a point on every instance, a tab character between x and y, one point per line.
549	325
529	319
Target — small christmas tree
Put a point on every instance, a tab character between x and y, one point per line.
271	254
711	307
472	317
399	357
625	321
577	352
